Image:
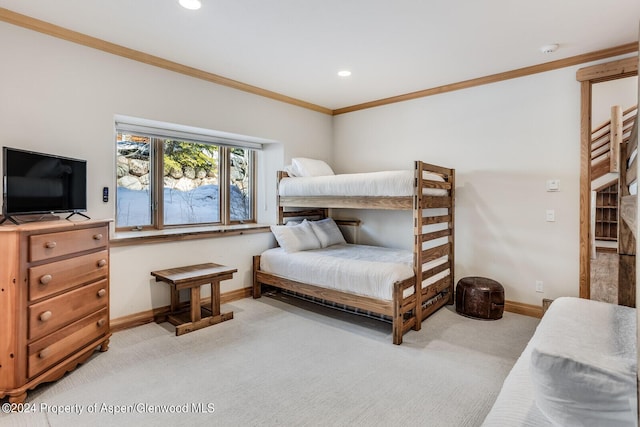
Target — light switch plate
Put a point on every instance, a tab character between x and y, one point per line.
553	185
551	215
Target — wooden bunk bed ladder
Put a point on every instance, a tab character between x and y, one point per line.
440	291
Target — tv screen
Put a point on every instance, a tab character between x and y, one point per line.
42	183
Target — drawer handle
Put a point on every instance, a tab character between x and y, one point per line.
44	353
102	263
44	280
97	236
102	292
50	245
101	323
45	316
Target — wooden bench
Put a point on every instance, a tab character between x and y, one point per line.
192	277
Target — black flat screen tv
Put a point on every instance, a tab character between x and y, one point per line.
38	183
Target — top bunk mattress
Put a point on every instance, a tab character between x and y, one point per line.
369	184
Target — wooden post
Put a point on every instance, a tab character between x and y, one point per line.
452	240
257	287
281	174
585	189
616	138
592	240
626	242
417	242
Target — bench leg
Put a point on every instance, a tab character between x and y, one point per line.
215	298
175	299
195	304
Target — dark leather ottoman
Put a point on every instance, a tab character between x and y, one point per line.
480	298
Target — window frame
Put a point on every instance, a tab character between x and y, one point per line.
156	168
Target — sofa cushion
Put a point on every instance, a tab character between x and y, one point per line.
583	364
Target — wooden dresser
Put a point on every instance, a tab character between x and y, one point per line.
54	300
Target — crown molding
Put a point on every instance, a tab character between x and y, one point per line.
43	27
494	78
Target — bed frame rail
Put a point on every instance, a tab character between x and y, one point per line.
400	310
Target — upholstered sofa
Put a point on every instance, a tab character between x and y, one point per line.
578	369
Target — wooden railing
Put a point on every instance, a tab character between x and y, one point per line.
606	140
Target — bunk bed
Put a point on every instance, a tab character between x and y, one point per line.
429	191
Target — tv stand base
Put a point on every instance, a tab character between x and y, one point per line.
10	218
78	213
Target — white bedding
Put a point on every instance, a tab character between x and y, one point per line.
358	269
595	346
515	405
386	183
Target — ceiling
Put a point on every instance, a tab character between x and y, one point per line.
392	47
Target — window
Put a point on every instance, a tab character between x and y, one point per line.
164	181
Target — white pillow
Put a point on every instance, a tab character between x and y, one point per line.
583	364
327	232
294	238
310	167
290	170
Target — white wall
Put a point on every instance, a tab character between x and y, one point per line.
504	140
59	97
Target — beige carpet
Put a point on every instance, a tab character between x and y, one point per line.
289	364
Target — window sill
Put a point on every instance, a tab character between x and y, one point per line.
129	238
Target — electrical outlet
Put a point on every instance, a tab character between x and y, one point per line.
539	286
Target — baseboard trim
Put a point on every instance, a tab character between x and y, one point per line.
144	317
522	308
141	318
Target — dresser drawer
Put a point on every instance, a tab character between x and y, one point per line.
46	246
49	279
48	315
55	347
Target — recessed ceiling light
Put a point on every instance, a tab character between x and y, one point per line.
344	73
190	4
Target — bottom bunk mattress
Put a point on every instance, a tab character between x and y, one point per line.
358	269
